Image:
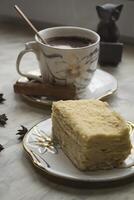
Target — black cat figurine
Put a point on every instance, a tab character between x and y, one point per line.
107	29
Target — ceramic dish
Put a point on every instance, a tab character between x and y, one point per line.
102	85
51	159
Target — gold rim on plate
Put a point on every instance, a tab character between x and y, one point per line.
37	161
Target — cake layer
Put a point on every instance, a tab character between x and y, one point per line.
95	157
87	118
104	142
90	133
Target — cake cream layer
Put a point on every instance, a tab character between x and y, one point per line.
87	118
95	157
104	142
92	140
90	133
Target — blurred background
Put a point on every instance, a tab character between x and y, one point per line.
46	13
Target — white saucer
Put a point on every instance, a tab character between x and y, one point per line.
102	84
51	159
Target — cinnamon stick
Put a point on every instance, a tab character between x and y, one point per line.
48	90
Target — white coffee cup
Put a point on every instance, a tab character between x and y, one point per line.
64	66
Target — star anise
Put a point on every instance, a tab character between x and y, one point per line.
1	147
3	119
22	132
1	98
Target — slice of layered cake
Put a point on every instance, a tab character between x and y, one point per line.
91	134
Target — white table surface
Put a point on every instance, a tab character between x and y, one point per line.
19	180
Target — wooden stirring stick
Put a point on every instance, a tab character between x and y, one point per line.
29	23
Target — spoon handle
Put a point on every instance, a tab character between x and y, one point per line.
29	22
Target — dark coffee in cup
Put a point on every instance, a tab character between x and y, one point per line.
69	42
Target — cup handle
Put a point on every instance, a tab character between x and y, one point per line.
29	47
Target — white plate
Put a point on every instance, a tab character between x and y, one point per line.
102	84
53	161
